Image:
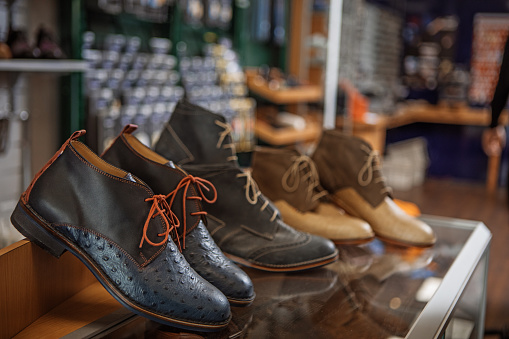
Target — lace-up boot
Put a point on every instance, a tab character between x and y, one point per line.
194	135
198	247
249	229
291	181
349	169
117	227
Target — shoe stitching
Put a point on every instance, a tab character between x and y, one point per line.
26	194
186	150
81	228
134	302
228	236
178	171
263	235
277	248
221	224
109	175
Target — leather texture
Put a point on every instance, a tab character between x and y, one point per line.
252	233
350	171
290	180
169	286
388	220
340	160
100	218
199	248
193	135
272	167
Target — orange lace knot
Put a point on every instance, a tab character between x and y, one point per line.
184	184
159	208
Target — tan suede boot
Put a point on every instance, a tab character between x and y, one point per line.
291	181
349	169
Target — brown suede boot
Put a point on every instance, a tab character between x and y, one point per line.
349	169
291	181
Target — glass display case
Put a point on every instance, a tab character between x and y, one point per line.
373	291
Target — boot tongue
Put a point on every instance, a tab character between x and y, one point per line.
301	178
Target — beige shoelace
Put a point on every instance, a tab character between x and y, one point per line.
222	136
292	178
252	192
368	170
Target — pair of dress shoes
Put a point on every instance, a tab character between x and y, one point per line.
137	221
148	248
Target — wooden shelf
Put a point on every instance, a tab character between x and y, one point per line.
279	136
286	136
441	114
33	282
82	309
46	66
285	96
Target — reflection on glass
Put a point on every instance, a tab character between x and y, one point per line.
373	291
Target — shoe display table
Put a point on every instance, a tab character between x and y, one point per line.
373	291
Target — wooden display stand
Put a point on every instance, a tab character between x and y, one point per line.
289	95
45	297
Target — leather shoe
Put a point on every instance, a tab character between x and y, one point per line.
116	225
198	247
249	229
350	170
291	181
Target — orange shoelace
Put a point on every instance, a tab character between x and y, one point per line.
184	184
160	207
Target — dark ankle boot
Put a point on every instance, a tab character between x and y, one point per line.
291	181
198	247
349	169
249	229
196	136
114	224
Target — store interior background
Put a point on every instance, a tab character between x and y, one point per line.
455	166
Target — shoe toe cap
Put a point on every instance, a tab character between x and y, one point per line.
308	252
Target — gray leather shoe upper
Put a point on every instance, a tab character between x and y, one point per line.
196	136
242	221
246	226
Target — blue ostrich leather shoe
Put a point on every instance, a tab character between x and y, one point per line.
116	225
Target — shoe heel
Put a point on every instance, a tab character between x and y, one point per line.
35	232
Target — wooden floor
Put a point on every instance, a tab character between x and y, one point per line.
471	201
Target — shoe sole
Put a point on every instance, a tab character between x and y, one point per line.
342	204
307	266
241	302
352	241
36	230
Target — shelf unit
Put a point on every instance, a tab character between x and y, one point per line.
43	66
